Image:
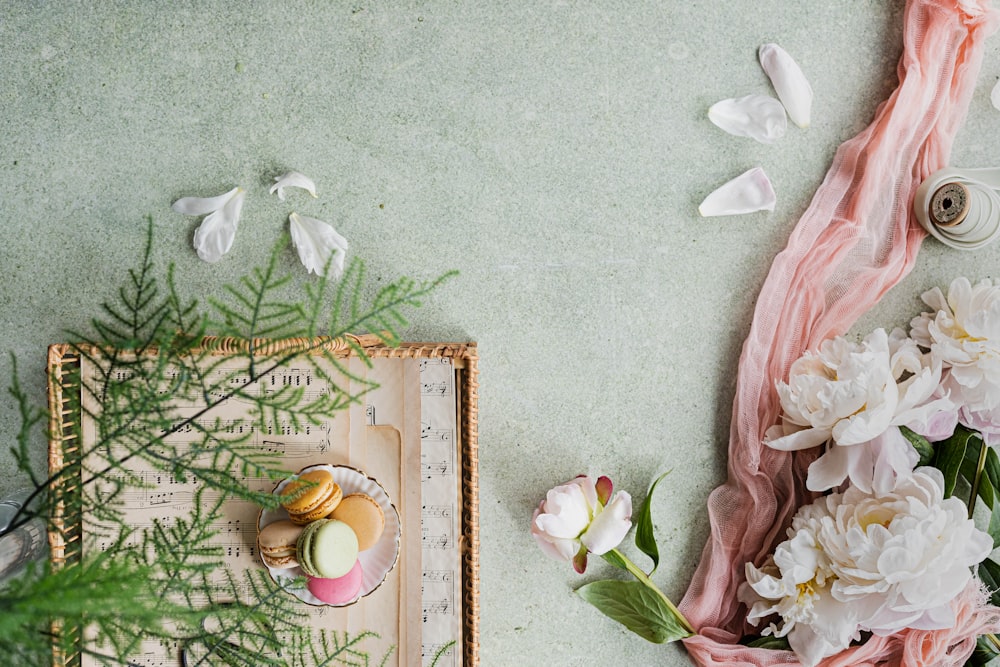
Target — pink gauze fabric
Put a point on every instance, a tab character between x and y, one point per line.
853	243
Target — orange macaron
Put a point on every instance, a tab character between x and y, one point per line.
362	513
310	496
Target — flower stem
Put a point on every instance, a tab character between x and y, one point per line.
980	466
635	571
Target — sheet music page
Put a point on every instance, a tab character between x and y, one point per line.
441	478
404	436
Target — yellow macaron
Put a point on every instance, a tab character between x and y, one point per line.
310	496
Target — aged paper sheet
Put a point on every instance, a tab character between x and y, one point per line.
403	434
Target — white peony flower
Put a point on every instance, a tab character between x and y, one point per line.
795	583
214	237
857	395
581	516
963	334
902	557
316	241
863	562
292	179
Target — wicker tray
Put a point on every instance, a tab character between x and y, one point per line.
68	440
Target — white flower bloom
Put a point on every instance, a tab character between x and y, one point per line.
789	82
857	395
750	191
214	237
581	517
759	117
861	562
963	333
902	557
292	179
316	241
795	583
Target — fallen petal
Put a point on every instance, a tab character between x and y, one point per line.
756	116
214	237
789	82
203	205
750	191
292	179
315	242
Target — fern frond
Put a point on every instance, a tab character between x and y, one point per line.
255	310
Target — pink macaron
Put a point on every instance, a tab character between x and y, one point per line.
340	590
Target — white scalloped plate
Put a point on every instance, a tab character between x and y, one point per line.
376	562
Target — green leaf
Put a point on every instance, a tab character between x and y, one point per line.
921	444
989	573
644	538
637	607
948	459
773	643
987	649
993	529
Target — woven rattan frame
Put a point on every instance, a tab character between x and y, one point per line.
64	417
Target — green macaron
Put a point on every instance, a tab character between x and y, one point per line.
327	548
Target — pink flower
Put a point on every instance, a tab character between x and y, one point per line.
581	517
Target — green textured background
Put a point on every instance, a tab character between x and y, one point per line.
553	152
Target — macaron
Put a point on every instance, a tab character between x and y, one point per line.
276	544
364	515
311	496
340	590
327	548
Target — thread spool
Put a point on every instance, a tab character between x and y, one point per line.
949	205
960	207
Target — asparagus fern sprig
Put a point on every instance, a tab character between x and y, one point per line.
151	389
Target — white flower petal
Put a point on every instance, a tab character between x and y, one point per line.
759	117
806	438
203	205
789	82
214	237
292	179
315	242
750	191
610	526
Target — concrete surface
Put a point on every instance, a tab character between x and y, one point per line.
553	152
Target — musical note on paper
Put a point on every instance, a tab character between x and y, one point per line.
324	443
444	576
370	415
437	377
445	656
291	377
436	607
431	468
436	362
435	541
442	388
437	455
149	659
435	434
437	511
